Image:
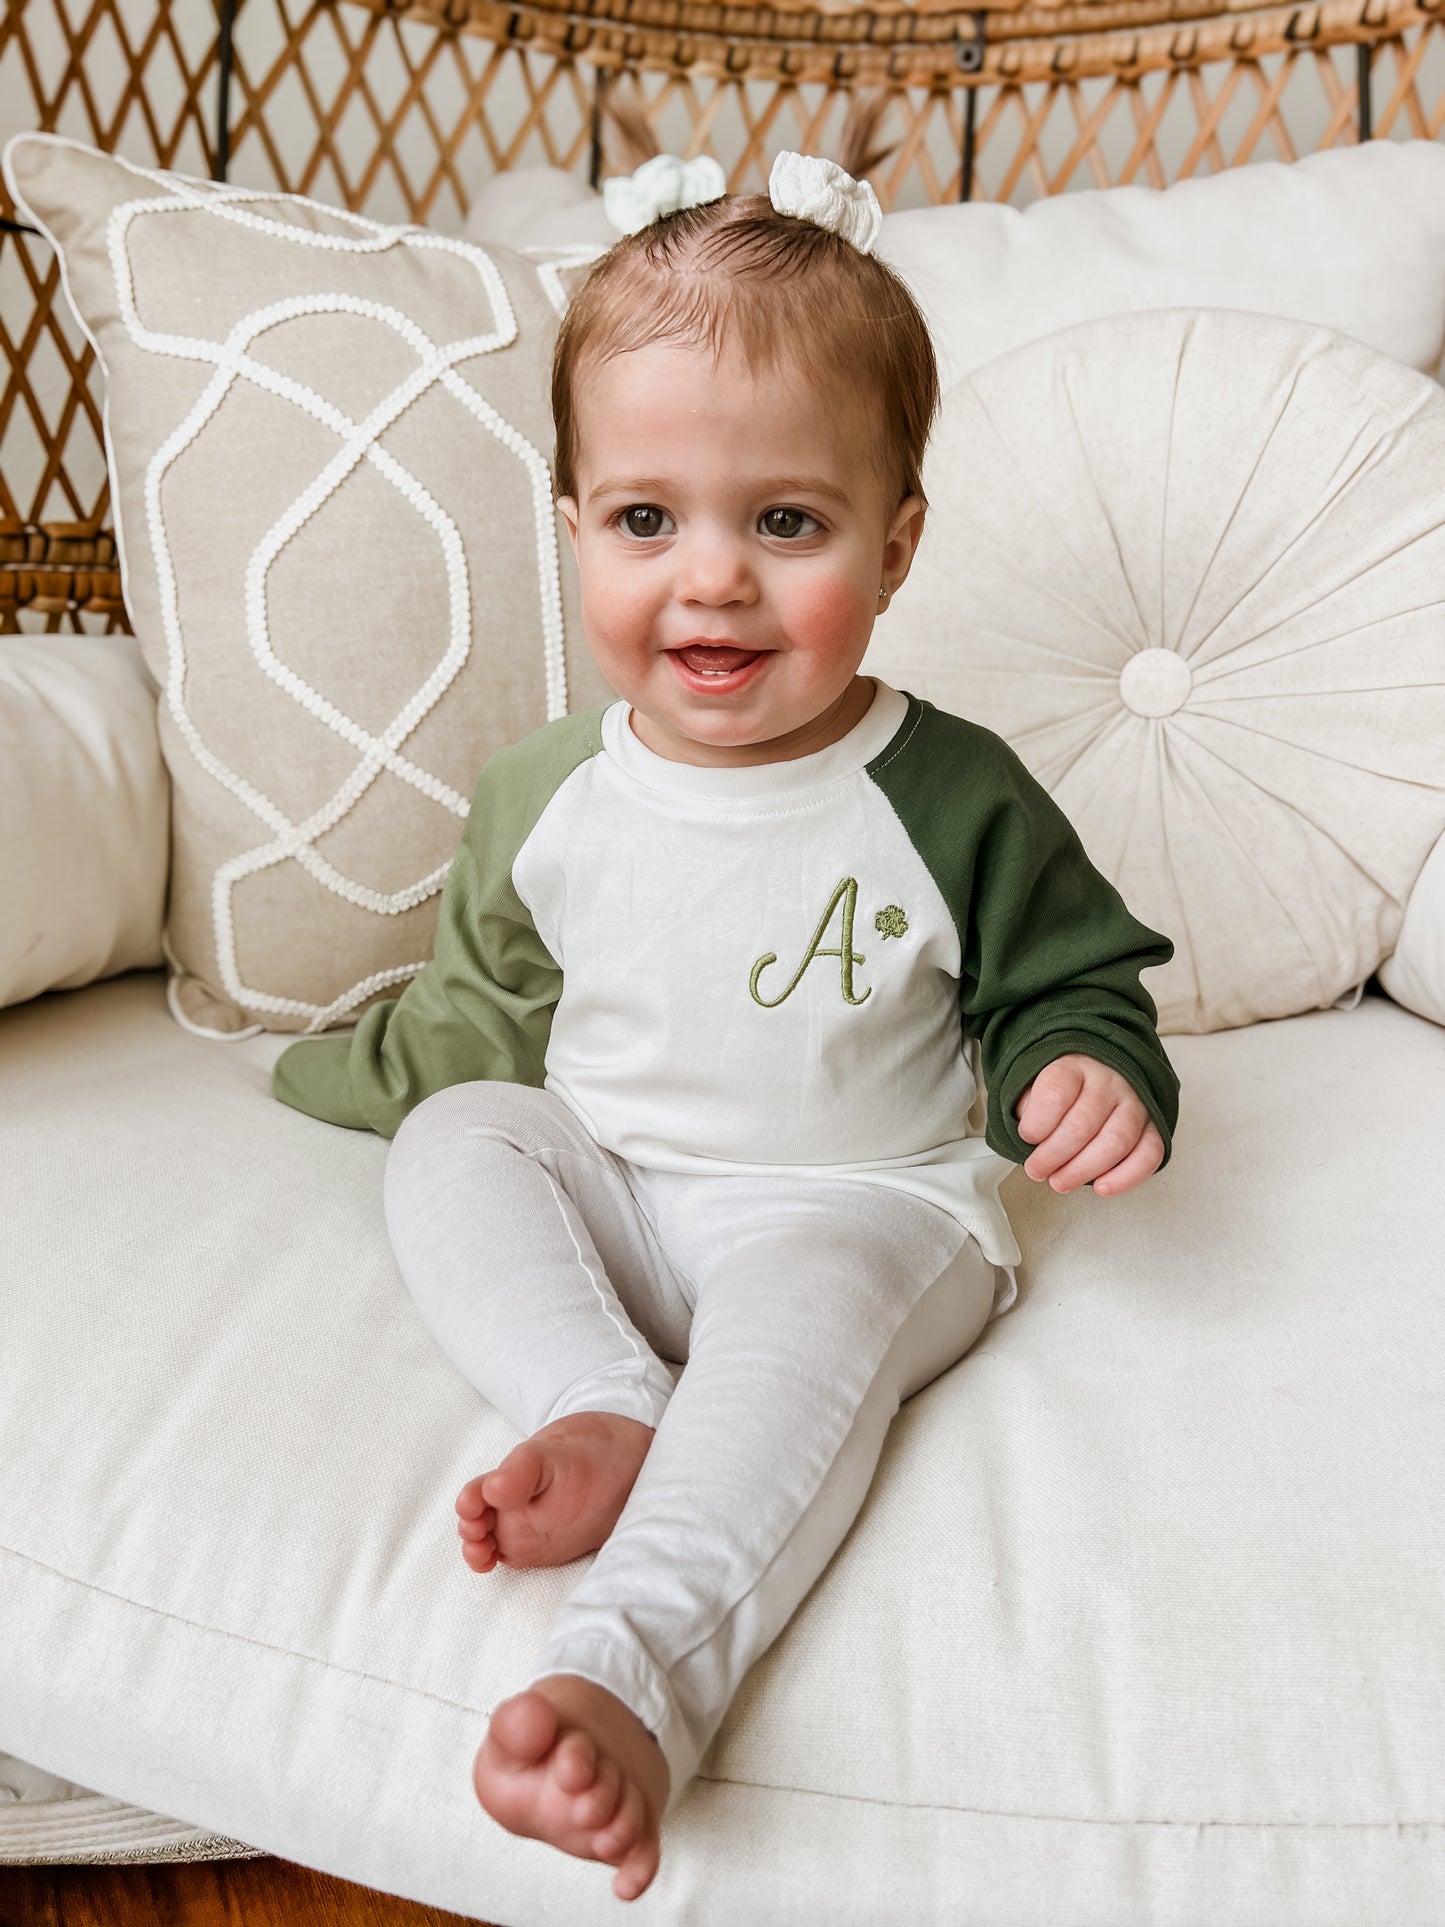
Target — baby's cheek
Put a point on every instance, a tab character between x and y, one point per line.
613	611
825	615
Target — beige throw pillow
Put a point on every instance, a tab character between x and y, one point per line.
329	445
1191	564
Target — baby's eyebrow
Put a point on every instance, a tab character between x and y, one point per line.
806	485
631	485
776	485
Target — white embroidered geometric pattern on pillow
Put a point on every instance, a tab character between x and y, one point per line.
578	254
358	442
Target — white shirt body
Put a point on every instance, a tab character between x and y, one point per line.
660	888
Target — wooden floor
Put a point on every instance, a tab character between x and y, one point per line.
201	1893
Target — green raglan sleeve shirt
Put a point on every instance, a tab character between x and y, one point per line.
482	1006
780	966
1051	955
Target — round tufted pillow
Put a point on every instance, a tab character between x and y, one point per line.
1191	565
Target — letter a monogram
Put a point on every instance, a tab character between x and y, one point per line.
847	890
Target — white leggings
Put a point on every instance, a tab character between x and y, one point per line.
561	1278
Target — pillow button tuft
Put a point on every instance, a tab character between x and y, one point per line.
1155	682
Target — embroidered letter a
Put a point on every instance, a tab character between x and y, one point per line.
847	891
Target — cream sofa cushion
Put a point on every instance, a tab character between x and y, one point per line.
1191	564
84	813
1141	1622
329	445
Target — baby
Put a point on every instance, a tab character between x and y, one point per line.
696	1074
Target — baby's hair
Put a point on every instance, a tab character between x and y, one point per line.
795	296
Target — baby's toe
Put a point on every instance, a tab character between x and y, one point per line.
636	1871
520	1733
575	1761
518	1478
470	1500
597	1804
623	1828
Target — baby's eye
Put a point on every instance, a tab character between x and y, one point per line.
643	520
785	522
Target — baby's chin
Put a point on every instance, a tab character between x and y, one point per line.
758	720
707	739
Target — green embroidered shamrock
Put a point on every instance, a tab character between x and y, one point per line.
890	922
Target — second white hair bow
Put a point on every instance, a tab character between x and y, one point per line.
660	186
819	190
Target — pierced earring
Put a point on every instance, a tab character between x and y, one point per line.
882	595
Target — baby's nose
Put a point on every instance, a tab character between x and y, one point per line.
714	571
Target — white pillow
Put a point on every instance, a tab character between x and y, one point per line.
538	208
85	809
1191	565
1352	238
1415	975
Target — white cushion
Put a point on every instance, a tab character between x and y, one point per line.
1415	974
1352	238
1191	564
85	809
538	207
1142	1621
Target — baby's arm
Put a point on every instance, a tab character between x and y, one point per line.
482	1006
453	1022
1050	984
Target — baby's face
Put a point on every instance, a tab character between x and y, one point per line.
731	539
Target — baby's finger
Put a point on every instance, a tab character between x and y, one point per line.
1075	1133
1145	1158
1079	1127
1114	1140
1050	1097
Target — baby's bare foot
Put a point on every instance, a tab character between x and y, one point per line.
556	1495
565	1761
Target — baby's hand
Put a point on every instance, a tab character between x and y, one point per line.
1087	1121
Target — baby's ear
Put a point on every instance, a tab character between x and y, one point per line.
906	532
567	507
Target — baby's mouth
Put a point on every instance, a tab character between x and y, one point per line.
716	659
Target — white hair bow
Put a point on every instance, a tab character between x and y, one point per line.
819	190
660	186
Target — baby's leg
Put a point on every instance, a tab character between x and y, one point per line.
820	1307
510	1224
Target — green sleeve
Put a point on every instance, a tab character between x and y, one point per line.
482	1006
1051	957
